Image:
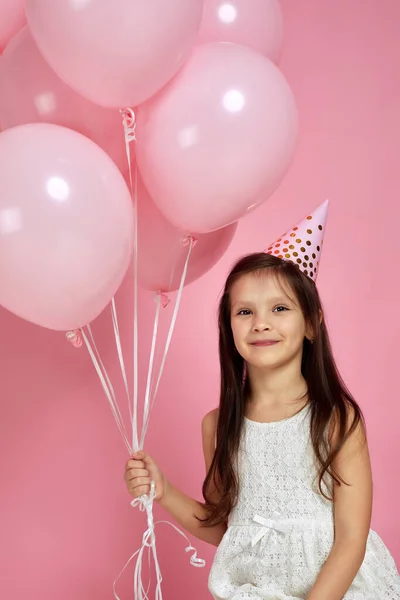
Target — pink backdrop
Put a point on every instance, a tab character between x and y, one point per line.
65	521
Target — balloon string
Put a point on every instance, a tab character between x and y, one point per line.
135	441
135	436
129	123
150	369
145	503
146	418
117	337
107	385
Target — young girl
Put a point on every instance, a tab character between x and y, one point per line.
288	491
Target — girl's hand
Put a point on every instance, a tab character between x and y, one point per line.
140	471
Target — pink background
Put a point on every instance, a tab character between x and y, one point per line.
65	521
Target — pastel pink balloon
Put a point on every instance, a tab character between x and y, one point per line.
66	226
31	92
116	53
254	23
12	19
162	249
218	140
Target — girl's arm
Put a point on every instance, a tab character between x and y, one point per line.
182	507
141	469
352	517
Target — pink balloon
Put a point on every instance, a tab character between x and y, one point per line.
162	249
116	53
31	92
12	18
218	139
254	23
66	226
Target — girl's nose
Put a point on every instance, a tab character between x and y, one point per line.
261	326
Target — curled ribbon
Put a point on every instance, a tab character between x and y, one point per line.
145	503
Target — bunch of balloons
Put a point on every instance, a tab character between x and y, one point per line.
216	126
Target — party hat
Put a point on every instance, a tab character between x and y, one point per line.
303	243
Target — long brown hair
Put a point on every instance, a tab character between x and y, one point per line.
327	393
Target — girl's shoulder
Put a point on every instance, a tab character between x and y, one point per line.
344	423
209	423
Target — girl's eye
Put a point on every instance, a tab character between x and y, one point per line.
280	308
246	311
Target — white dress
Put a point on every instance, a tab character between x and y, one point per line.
281	531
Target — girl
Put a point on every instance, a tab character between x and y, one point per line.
288	491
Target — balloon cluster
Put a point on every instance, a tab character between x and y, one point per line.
216	126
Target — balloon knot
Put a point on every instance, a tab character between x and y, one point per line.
163	298
187	239
75	338
129	121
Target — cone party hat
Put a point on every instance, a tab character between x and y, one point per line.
302	244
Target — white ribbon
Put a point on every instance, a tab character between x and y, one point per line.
145	503
129	122
272	523
147	407
106	384
120	353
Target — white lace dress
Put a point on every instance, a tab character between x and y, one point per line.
282	530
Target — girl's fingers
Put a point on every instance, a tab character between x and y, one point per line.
140	486
137	474
139	481
142	456
140	491
132	473
134	464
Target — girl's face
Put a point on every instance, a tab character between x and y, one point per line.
267	323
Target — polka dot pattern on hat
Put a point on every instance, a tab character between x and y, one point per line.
302	244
